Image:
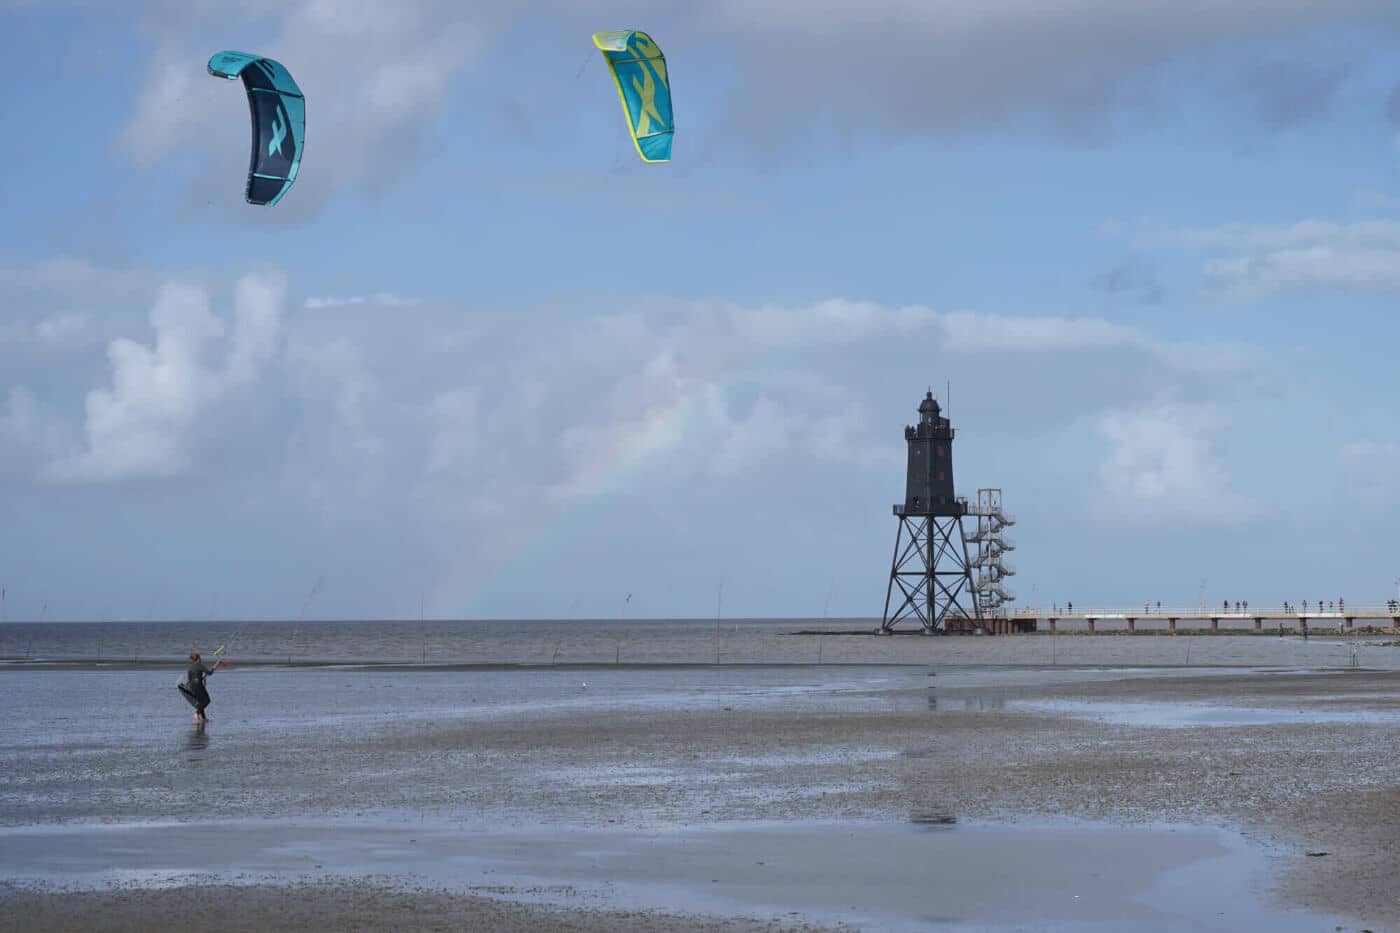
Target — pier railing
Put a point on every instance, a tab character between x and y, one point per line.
1387	612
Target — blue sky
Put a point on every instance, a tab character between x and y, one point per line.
482	357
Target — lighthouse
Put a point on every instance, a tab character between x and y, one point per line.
931	574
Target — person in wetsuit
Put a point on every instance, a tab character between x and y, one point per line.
194	683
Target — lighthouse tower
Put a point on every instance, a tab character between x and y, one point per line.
931	575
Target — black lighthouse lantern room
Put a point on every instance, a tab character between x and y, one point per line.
929	488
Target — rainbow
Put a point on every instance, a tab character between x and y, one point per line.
628	449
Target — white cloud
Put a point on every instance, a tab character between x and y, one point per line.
1309	255
801	429
144	424
1162	465
454	415
1371	468
1308	269
76	280
765	432
725	389
58	327
835	322
473	430
385	299
970	332
26	432
20	423
1239	237
1370	451
257	302
19	411
59	309
354	392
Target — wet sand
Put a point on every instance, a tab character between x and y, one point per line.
329	905
904	774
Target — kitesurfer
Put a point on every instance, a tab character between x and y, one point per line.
194	685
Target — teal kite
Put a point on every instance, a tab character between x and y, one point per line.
639	71
278	110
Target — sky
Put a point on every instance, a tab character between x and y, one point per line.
482	362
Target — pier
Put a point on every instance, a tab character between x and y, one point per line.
1021	620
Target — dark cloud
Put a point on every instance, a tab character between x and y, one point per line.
899	70
1287	93
1135	278
1392	107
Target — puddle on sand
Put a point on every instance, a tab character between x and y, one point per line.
889	876
985	677
1184	715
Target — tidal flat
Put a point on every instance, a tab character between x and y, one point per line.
734	796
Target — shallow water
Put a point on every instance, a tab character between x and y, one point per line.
123	708
1187	715
91	729
71	739
1052	876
